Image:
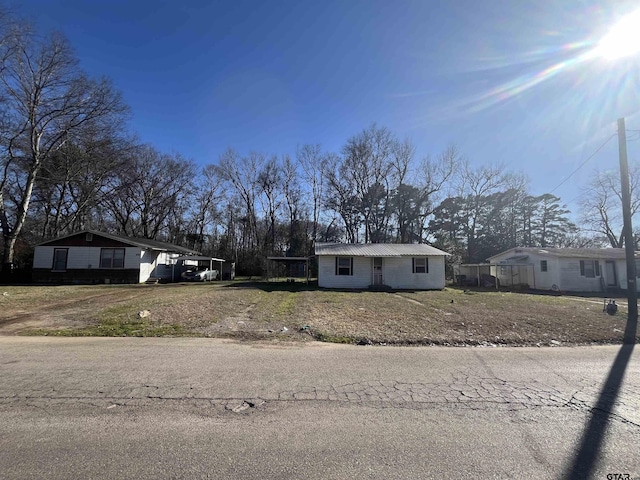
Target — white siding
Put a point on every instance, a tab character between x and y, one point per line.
43	257
396	273
327	277
564	272
82	257
528	271
621	271
148	260
572	281
544	280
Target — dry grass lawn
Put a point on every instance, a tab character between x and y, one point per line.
296	313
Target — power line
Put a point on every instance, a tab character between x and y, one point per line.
636	136
583	163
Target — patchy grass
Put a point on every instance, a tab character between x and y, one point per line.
325	337
272	311
115	328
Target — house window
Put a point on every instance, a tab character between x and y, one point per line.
112	258
60	259
420	265
589	268
543	265
344	265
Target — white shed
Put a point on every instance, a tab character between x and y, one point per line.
98	257
562	269
401	266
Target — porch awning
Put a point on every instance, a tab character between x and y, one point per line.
517	258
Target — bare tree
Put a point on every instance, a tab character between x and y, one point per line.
293	195
242	176
368	163
312	161
476	186
46	101
340	196
601	204
435	177
204	211
73	185
151	191
269	178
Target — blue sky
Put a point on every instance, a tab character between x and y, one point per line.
497	78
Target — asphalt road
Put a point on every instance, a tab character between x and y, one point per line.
202	408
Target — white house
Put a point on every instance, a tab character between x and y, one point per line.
562	269
98	257
402	266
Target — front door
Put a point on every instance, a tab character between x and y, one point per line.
377	271
610	268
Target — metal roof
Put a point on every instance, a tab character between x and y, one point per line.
199	258
377	250
596	253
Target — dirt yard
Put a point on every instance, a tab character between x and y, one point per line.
281	312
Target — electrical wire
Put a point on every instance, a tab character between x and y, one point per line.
583	163
634	135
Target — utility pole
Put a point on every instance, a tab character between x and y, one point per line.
632	293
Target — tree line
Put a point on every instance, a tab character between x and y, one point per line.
70	162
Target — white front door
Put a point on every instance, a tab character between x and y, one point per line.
377	271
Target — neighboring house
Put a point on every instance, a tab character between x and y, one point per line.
562	269
402	266
98	257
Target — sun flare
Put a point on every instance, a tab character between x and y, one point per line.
622	40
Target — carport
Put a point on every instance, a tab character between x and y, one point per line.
292	264
199	259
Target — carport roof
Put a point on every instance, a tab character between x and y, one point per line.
200	258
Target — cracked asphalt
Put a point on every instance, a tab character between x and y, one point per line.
203	408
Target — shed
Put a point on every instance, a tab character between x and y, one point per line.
90	256
401	266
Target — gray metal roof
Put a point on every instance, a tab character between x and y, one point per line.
596	253
377	250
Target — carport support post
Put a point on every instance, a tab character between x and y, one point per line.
632	293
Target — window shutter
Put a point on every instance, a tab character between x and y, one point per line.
426	265
597	268
351	269
336	266
582	267
413	265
